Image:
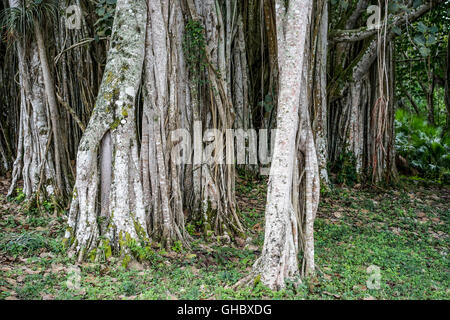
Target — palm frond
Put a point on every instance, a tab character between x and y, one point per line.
16	23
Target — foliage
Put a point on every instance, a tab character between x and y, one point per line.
194	44
18	22
345	169
27	243
105	13
20	196
402	232
268	103
420	51
426	147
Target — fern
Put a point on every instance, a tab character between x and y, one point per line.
426	147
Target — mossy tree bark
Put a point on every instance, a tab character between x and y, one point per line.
111	133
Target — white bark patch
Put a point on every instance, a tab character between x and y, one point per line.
130	91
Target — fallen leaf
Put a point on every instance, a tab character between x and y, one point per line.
421	214
191	256
134	265
337	214
332	294
29	271
47	296
252	247
240	242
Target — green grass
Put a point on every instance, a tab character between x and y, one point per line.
403	232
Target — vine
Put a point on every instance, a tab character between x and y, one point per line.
194	45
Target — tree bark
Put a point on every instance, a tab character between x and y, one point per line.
163	102
113	120
61	163
278	261
34	162
213	201
318	75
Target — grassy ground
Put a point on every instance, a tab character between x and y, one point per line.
403	232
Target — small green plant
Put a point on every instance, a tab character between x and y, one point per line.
105	13
27	243
177	246
36	221
129	288
48	205
20	196
10	222
190	228
142	252
345	169
427	148
194	45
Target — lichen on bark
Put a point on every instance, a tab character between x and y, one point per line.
111	133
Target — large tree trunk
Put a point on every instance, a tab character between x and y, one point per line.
111	133
164	106
278	261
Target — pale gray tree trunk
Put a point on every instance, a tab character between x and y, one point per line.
34	162
318	73
279	261
61	162
163	102
111	132
306	177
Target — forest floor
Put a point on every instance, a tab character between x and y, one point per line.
404	232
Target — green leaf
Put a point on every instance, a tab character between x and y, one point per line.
431	39
420	39
417	3
434	29
101	11
344	4
422	28
397	30
424	51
